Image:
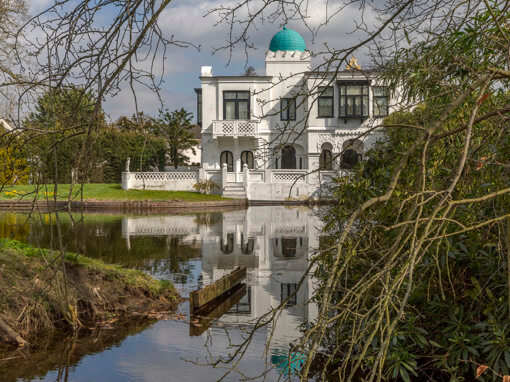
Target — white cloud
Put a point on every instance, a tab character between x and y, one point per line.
185	20
123	103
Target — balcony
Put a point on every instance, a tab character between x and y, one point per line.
235	128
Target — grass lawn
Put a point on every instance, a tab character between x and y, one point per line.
100	191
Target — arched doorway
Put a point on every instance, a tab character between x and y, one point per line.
228	158
288	157
247	158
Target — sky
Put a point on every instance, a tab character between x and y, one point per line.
186	20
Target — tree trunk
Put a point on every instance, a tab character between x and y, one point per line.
9	335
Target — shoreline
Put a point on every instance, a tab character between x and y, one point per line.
126	206
97	294
147	206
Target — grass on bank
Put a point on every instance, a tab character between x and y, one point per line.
99	191
14	254
37	296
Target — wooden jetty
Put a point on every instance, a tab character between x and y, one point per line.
202	318
201	297
215	300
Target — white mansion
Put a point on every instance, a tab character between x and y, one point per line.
282	135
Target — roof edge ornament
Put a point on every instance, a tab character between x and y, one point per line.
352	64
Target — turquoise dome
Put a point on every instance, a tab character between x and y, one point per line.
287	39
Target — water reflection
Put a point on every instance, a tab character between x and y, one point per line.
273	243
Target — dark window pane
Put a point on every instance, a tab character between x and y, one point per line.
354	90
228	246
247	158
230	110
380	91
350	106
325	91
365	106
325	107
228	158
357	104
286	291
349	159
353	99
288	157
325	101
244	111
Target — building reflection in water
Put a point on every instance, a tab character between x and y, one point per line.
274	244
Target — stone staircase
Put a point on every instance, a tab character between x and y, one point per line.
234	191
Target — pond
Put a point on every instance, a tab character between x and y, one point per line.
192	250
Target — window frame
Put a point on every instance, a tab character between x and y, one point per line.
198	91
286	289
292	150
249	154
358	156
227	152
285	111
228	247
237	102
342	85
322	97
323	162
374	98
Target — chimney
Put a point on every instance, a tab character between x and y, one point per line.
206	71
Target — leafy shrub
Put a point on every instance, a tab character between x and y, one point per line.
206	186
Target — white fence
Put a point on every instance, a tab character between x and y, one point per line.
262	184
171	181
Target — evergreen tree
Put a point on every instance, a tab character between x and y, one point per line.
176	126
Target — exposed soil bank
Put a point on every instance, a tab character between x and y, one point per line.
41	291
124	206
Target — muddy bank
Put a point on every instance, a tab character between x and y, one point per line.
124	206
41	291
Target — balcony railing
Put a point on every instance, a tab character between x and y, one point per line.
235	128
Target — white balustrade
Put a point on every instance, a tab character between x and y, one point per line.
235	128
173	175
290	176
172	180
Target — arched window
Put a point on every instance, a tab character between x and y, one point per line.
351	155
350	158
247	158
228	158
227	247
288	157
326	157
248	245
289	246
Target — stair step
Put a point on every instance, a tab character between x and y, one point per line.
234	190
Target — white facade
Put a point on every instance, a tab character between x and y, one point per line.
273	124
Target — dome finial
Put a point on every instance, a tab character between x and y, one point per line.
284	26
